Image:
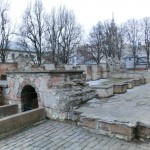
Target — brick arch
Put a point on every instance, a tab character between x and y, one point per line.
22	86
29	99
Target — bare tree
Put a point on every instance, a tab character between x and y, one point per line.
146	36
120	41
110	43
133	36
52	35
5	30
32	31
96	40
107	39
64	34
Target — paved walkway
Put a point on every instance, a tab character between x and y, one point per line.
52	135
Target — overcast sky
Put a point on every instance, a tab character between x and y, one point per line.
89	12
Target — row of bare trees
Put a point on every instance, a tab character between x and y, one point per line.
5	30
111	41
106	39
55	36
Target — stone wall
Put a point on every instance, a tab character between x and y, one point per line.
92	72
4	67
57	91
126	75
18	80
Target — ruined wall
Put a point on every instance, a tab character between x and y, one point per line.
17	81
57	100
92	72
4	67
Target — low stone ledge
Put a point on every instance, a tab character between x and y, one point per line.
103	91
137	82
8	110
88	122
120	88
120	130
21	120
130	84
143	130
142	80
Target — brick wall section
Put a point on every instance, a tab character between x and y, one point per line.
5	67
89	73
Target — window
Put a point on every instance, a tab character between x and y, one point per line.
32	56
12	56
20	55
129	59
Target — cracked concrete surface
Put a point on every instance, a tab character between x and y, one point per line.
130	108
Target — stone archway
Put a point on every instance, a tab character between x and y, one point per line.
29	98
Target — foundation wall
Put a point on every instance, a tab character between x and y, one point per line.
21	120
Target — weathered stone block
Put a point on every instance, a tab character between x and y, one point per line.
130	84
123	130
120	88
104	91
142	80
143	131
137	82
88	122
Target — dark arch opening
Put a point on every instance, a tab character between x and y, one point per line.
29	99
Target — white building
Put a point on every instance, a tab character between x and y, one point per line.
140	61
14	51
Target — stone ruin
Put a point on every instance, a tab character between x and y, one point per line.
57	91
70	95
57	94
28	96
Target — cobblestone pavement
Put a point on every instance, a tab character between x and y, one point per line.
52	135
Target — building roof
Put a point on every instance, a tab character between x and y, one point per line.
14	46
130	56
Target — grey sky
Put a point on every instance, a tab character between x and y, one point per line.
89	12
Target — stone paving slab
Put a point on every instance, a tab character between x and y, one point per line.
52	135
